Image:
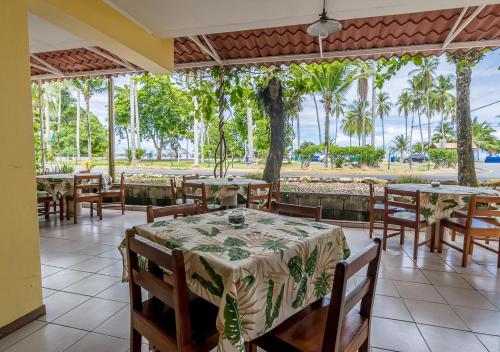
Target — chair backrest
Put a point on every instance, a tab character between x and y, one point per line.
153	213
482	206
297	210
261	194
190	177
85	183
196	192
169	289
410	200
341	303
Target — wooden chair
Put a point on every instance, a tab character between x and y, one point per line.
44	200
480	224
117	193
263	200
82	184
168	319
335	326
297	210
174	194
192	192
377	209
410	217
172	210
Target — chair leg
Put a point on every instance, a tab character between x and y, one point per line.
466	249
99	208
433	236
402	235
384	237
415	244
122	199
372	221
453	235
498	254
74	210
135	341
441	236
365	347
250	347
91	209
46	210
61	209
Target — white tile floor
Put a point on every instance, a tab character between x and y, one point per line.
429	305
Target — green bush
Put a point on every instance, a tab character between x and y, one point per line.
443	157
66	168
410	179
365	155
139	154
306	152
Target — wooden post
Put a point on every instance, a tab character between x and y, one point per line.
111	128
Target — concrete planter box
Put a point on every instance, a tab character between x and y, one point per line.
335	206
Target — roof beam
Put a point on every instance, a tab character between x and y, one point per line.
111	58
397	50
212	49
456	31
113	71
99	24
45	66
213	55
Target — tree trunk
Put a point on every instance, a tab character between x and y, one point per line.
317	117
428	129
202	140
58	128
328	109
374	108
133	137
196	134
466	168
383	132
89	129
277	142
363	124
336	128
406	127
251	153
47	121
136	111
411	136
298	132
77	125
421	132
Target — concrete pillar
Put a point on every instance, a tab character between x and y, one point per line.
21	291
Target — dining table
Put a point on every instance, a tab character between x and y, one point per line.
57	185
226	189
259	273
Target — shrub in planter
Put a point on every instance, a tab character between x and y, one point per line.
306	152
443	157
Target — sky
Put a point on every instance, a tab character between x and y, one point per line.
485	89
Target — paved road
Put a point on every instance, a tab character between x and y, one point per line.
484	172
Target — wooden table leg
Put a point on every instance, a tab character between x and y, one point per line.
61	208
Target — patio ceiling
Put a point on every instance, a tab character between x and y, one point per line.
426	33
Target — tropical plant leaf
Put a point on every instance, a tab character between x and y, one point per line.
236	253
234	242
273	312
174	242
295	223
310	266
159	223
346	253
191	219
295	266
218	222
266	221
214	231
301	293
434	198
427	212
322	285
248	281
220	213
451	204
209	248
217	286
233	329
277	246
318	226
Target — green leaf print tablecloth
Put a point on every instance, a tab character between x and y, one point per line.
225	190
439	202
59	184
258	275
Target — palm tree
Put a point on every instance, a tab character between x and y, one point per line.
357	115
339	105
89	87
400	145
330	80
483	135
425	74
404	107
442	96
444	131
363	71
383	109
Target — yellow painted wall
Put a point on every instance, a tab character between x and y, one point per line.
101	25
20	279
